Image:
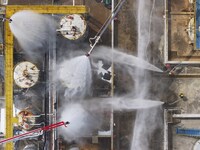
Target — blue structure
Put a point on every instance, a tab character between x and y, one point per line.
188	132
197	25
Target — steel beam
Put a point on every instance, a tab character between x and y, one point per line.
47	9
9	84
181	13
186	116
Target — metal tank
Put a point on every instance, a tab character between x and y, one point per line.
26	74
26	120
72	26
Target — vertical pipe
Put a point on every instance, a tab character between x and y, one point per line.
46	96
54	91
165	130
112	67
166	57
52	86
112	26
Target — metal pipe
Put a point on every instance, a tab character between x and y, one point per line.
113	15
97	37
166	59
6	19
52	88
182	62
112	72
45	100
165	130
92	46
175	102
45	128
186	116
37	116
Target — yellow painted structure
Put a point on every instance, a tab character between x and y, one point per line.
9	84
10	10
47	9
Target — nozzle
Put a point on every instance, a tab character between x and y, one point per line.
7	19
87	54
67	122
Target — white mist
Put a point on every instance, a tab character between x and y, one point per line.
75	76
32	30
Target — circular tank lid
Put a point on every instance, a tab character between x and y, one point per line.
26	74
26	119
72	26
197	145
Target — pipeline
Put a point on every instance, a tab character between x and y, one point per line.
27	134
104	27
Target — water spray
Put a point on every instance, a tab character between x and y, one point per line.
104	27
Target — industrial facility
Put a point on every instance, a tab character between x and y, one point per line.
99	74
